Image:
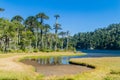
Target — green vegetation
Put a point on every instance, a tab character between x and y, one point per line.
52	54
27	72
106	38
10	75
105	69
32	35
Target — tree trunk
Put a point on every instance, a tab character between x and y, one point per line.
62	44
55	42
41	39
67	43
36	44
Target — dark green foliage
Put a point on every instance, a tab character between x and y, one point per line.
115	72
106	38
1	9
17	18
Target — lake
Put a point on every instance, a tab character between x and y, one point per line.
50	66
101	53
93	54
65	59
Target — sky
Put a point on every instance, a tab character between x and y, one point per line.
75	15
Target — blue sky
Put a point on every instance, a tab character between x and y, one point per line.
76	15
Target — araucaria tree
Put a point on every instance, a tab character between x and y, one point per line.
34	34
62	34
41	17
1	9
30	34
57	27
18	20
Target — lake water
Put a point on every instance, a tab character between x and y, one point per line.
101	53
50	66
65	59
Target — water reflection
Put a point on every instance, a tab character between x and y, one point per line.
51	61
65	59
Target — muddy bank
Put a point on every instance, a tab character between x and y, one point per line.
57	70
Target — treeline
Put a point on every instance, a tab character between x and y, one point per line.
32	34
104	38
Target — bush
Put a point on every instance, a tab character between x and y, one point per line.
36	50
46	50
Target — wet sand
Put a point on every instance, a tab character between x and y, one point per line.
57	70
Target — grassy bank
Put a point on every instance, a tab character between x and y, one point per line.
51	54
12	69
105	69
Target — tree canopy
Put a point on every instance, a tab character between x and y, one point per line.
30	34
33	34
102	38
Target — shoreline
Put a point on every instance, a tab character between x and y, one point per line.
102	70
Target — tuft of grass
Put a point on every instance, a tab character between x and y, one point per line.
52	54
112	77
10	75
115	72
105	68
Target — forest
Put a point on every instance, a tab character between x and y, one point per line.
102	38
33	34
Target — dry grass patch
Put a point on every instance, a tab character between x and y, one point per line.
12	69
104	67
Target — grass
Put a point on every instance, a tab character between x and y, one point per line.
28	72
51	54
6	55
10	75
107	68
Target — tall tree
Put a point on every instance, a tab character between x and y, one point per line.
62	34
18	20
57	27
56	16
32	25
68	35
1	9
7	30
41	17
5	38
47	29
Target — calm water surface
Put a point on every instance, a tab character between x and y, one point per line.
50	66
65	60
